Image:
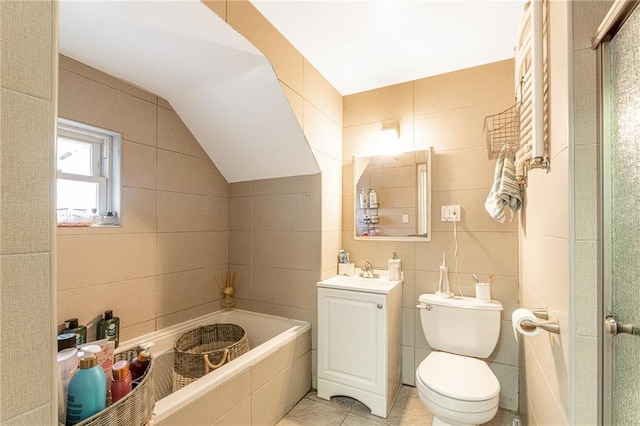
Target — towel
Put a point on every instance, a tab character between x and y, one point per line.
505	192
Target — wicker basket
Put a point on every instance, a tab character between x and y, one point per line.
136	408
204	349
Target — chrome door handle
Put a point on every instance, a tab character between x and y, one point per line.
612	327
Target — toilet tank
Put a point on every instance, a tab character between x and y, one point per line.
460	325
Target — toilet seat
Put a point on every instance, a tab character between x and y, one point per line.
459	383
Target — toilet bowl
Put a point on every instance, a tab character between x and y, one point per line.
458	390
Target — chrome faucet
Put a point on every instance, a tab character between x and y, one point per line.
367	271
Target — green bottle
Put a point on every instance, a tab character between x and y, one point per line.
79	330
109	328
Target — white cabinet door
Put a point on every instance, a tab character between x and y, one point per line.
352	333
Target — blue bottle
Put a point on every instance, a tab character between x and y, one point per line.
87	393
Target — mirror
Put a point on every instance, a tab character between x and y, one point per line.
392	195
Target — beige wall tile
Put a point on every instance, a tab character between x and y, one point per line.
322	133
321	94
298	250
98	76
133	301
584	197
39	416
285	59
508	386
174	135
187	212
244	288
289	287
163	102
544	405
585	98
213	405
188	314
137	330
456	128
478	252
240	211
87	101
239	416
277	397
240	247
331	213
330	246
547	198
191	175
287	185
445	174
138	213
182	251
26	300
85	260
296	101
331	168
182	290
278	361
240	189
287	212
466	87
138	165
26	135
387	103
586	356
26	47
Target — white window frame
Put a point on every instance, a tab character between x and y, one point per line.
105	164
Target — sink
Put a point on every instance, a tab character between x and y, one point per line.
381	284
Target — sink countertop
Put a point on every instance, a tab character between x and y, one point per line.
380	285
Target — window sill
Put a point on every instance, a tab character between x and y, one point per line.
98	229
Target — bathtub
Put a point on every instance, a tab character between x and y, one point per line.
257	388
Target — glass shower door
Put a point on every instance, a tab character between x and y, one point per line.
621	224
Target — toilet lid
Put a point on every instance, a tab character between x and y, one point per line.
458	377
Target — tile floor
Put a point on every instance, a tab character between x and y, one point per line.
344	411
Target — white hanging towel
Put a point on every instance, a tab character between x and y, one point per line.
505	192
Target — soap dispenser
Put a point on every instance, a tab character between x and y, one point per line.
395	269
109	328
87	394
443	285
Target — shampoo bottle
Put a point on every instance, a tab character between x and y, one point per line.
109	328
121	381
79	330
139	364
373	198
364	199
87	392
395	268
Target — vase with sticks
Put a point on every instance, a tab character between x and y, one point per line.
228	286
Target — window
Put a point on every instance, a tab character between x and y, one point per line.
88	171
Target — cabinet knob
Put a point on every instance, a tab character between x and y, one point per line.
379	305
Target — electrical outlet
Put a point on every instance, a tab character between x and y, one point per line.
450	213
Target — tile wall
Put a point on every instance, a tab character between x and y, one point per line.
159	267
447	113
27	111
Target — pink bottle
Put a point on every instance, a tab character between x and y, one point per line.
121	383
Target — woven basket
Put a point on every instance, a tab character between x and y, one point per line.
136	408
204	349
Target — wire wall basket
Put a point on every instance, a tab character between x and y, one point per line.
503	130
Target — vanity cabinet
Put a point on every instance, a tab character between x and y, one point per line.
359	340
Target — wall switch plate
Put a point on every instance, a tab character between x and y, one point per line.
450	214
405	218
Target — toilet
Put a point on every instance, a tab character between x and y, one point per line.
453	381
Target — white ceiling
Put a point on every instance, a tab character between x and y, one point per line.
366	44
